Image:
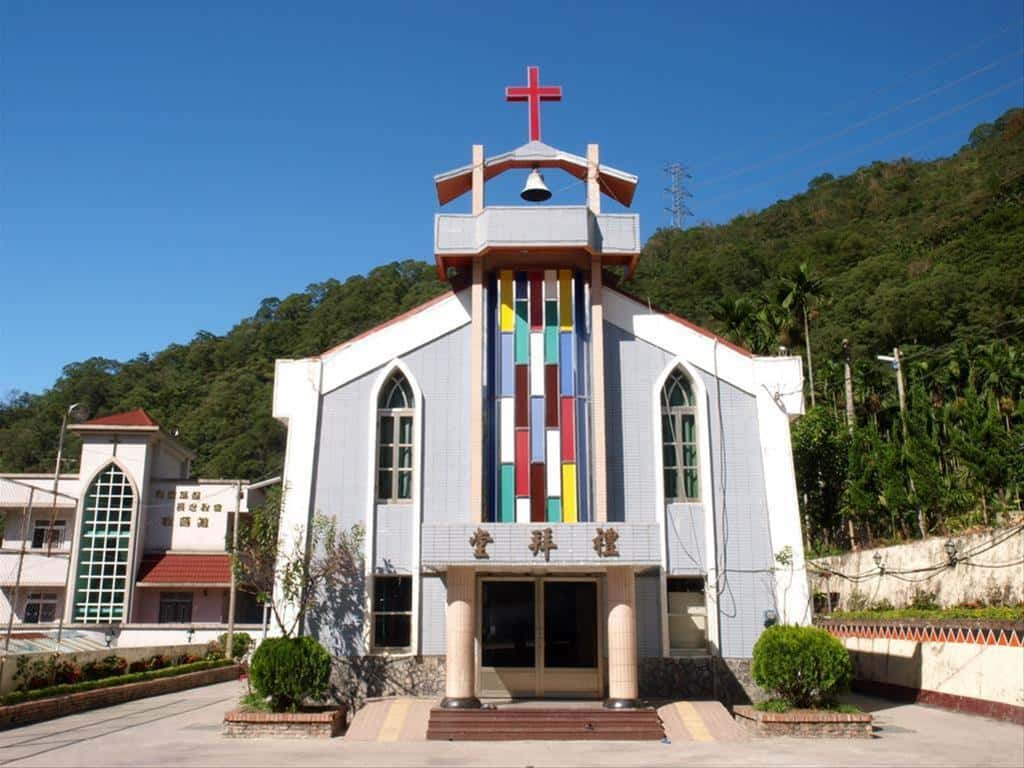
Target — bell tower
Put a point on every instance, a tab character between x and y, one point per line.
537	360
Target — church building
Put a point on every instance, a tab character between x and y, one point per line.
565	491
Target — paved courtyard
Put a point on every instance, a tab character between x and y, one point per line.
184	729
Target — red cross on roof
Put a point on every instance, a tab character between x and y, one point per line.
534	94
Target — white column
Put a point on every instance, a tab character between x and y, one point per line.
459	689
622	650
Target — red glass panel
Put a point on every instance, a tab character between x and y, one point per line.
568	429
522	395
522	462
550	396
538	500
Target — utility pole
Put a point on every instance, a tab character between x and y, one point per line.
17	578
677	193
229	646
848	375
897	366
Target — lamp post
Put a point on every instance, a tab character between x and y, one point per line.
76	412
951	554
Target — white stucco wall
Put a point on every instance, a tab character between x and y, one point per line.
973	580
986	672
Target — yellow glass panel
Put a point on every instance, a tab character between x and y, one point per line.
569	493
565	298
508	315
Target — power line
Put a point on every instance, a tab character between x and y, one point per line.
677	194
891	135
889	86
861	123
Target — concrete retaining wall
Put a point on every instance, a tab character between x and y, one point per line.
991	575
964	666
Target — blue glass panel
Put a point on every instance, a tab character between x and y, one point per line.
521	284
565	370
582	462
507	367
536	429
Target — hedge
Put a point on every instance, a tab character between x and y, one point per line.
19	697
994	613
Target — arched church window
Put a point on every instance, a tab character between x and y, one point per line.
679	438
395	410
103	548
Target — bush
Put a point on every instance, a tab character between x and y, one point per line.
240	645
806	666
137	666
108	666
924	600
288	670
157	661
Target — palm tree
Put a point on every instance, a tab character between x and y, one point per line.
803	290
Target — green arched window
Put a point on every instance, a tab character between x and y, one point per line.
395	410
679	438
101	579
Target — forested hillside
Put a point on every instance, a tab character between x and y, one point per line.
925	255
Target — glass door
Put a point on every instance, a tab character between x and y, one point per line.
508	638
572	659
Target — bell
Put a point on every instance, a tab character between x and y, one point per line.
535	191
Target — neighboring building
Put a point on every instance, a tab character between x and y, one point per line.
566	492
147	542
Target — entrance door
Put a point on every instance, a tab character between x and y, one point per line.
539	637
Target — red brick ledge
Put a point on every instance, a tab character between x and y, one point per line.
39	710
805	722
246	716
241	723
995	709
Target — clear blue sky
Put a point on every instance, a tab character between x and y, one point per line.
165	166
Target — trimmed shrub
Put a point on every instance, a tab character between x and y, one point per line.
806	666
157	661
239	646
108	666
288	670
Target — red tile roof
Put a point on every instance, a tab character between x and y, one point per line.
136	418
180	568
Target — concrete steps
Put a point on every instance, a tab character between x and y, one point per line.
520	723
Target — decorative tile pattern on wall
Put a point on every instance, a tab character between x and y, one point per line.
536	438
927	633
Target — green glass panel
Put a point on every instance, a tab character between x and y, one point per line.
405	430
522	332
405	484
551	344
689	428
668	453
690	481
671	488
405	457
690	456
550	314
384	485
507	493
554	510
387	429
666	428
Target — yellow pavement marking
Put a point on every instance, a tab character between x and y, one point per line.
392	726
692	721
